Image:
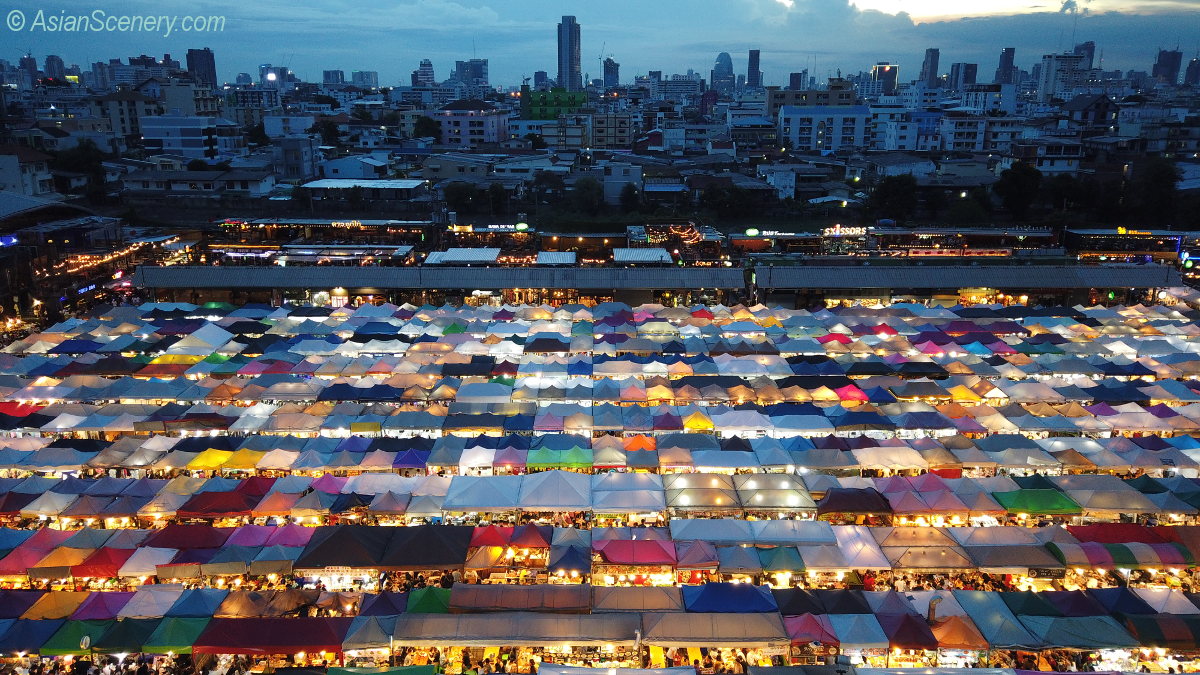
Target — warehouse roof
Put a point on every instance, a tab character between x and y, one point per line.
623	256
963	276
463	256
226	276
556	258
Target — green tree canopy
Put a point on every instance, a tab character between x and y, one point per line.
427	127
894	197
587	195
1018	187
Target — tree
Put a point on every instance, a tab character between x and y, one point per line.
460	196
86	158
257	135
427	127
935	202
630	198
497	199
547	183
536	141
966	211
328	130
1061	191
327	100
1153	191
362	115
894	197
1018	187
587	195
198	165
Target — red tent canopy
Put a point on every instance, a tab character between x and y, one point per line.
809	628
1116	533
492	535
218	505
103	564
636	551
532	536
268	636
907	631
188	536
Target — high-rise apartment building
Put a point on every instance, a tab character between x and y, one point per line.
203	66
929	68
570	71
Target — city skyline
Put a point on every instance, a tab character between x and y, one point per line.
521	39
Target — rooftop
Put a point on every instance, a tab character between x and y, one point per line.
371	183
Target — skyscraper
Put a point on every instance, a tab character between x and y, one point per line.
203	66
541	79
1006	72
55	67
962	74
333	77
368	79
423	75
474	72
570	72
929	68
753	73
1167	66
29	64
1059	74
612	73
886	75
1088	51
722	78
1192	76
798	81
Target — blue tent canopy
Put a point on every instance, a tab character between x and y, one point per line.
729	598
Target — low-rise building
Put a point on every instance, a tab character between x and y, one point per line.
470	123
211	184
824	128
25	171
192	136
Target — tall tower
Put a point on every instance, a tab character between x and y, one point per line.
722	78
886	74
753	72
1088	51
929	68
1167	66
1192	76
1006	71
570	72
203	66
612	73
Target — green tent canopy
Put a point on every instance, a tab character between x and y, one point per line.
780	559
75	637
175	634
429	600
125	636
1038	502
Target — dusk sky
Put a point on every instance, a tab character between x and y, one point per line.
518	36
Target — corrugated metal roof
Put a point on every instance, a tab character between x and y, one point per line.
459	256
641	255
366	183
556	258
964	276
669	278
